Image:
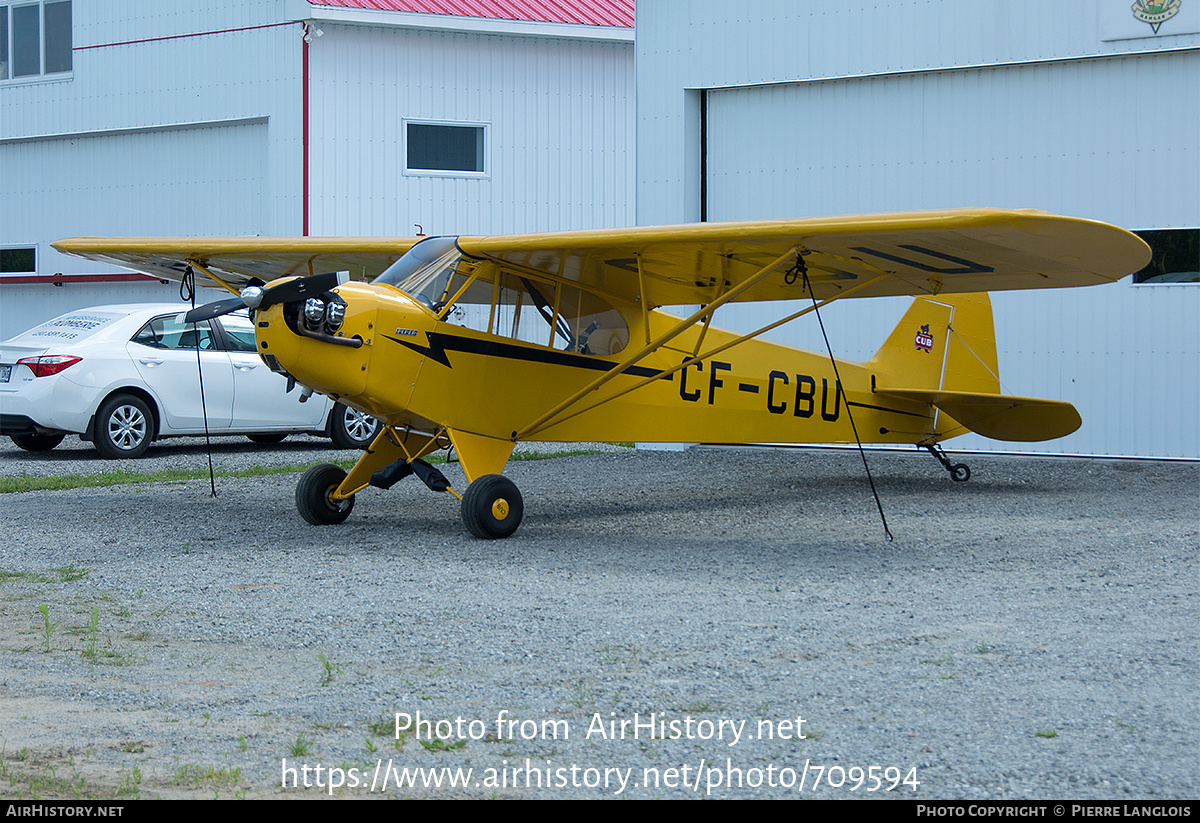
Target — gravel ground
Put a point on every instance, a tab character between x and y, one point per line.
737	613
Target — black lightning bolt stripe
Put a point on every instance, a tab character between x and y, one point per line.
440	344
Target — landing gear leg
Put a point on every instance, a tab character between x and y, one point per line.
959	472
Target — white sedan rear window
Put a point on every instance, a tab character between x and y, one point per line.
74	326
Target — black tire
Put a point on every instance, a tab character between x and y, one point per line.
492	507
268	439
312	496
350	428
37	442
960	472
124	427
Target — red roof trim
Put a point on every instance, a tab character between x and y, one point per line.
617	13
60	279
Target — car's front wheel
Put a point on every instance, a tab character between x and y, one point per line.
351	429
124	427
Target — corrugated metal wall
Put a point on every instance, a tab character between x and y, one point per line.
176	119
188	119
815	110
559	118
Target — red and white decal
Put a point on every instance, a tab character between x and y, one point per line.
924	339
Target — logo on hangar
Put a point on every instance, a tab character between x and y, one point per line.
1155	13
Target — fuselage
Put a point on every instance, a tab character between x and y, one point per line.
414	369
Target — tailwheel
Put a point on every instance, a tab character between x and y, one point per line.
492	507
312	496
959	472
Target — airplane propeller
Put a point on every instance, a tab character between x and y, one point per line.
210	310
256	297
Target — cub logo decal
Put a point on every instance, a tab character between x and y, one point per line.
924	339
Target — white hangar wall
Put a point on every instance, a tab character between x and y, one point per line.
773	109
556	114
174	120
188	119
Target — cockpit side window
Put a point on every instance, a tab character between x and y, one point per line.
556	315
487	296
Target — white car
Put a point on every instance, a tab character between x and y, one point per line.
123	376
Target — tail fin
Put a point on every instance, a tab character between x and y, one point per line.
943	352
941	343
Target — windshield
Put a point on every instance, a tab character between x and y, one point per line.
425	270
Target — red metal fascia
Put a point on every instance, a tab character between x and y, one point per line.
619	13
61	279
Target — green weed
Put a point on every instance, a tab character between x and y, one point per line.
329	669
48	629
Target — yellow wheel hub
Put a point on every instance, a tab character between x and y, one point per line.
500	509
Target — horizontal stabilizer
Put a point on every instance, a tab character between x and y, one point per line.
1000	416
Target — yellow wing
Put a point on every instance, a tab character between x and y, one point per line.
239	259
911	253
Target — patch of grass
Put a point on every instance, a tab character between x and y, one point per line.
383	727
198	777
62	574
583	695
121	477
1048	734
130	785
47	783
300	747
93	652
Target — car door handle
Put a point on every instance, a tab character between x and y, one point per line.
247	366
151	361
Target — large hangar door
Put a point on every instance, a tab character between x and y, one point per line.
1111	139
183	181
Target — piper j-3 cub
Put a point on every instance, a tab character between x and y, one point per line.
478	343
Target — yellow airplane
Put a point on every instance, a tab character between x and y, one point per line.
478	343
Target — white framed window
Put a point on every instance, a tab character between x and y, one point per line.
1175	256
35	39
444	148
18	259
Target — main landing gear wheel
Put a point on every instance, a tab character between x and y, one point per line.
312	496
492	507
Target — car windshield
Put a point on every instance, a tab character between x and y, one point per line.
424	272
